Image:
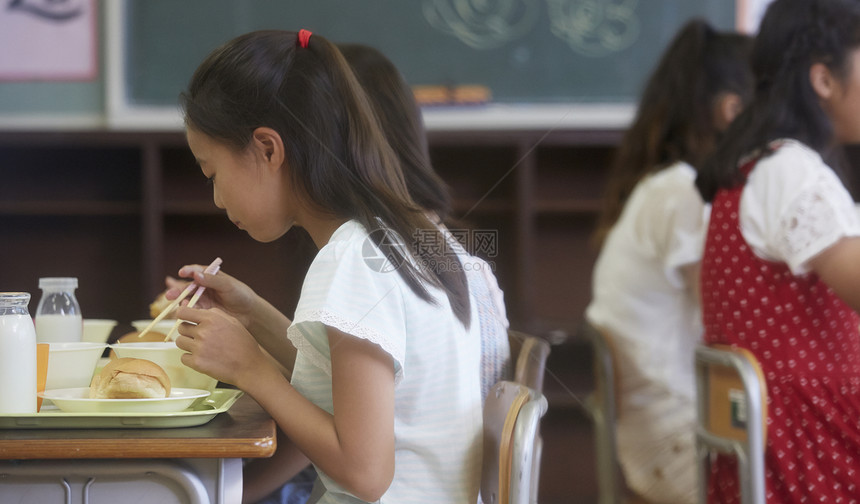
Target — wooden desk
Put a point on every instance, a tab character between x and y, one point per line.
194	464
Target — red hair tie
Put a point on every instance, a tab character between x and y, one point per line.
304	38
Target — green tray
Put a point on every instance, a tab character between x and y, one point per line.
52	417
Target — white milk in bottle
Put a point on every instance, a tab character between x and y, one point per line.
58	316
17	355
59	328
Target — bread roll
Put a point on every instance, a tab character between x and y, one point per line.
128	378
131	337
160	303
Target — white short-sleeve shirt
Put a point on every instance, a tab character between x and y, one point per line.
794	206
640	295
438	411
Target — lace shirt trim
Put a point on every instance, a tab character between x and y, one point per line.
815	220
298	335
794	206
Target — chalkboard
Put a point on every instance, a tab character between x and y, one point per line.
525	51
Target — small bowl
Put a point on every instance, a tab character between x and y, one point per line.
163	326
97	330
169	357
72	364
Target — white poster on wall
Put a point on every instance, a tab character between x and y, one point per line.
52	40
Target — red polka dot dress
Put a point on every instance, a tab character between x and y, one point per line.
806	340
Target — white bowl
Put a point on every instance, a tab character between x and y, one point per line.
169	357
163	325
97	330
72	364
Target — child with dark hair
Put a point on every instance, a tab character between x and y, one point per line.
780	270
385	393
652	231
400	118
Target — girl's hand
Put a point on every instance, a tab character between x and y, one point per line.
222	291
219	346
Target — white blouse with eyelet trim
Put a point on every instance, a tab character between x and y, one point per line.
794	206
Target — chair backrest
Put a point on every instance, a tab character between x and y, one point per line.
512	413
528	354
602	406
732	417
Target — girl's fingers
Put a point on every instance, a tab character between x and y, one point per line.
174	292
189	314
200	278
183	343
214	280
190	269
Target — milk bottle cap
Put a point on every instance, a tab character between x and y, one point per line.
58	283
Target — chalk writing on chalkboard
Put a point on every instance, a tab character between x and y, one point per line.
482	25
593	28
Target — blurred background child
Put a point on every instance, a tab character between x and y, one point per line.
651	231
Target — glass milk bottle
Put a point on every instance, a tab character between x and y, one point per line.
17	354
58	316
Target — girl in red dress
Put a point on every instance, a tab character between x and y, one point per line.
781	265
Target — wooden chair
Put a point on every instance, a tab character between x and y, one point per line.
512	414
732	416
602	407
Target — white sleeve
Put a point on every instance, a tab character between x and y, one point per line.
343	292
687	218
794	207
675	218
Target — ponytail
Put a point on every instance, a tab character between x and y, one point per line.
675	119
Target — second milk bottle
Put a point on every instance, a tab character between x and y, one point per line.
58	316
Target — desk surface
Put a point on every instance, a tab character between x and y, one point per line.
246	430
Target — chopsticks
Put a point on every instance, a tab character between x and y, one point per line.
211	269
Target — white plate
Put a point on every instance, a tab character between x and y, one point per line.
76	400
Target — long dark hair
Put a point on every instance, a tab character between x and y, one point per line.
794	35
400	117
337	155
675	117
